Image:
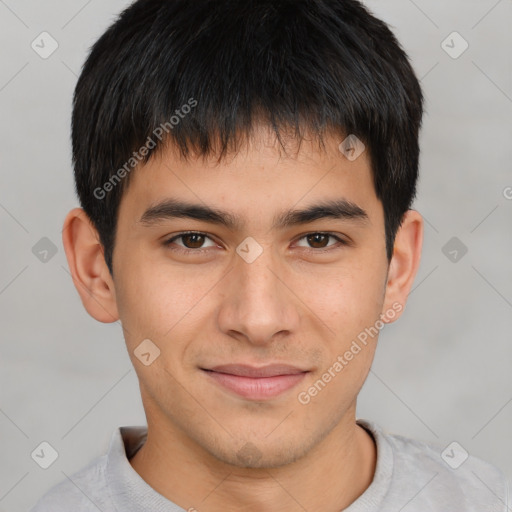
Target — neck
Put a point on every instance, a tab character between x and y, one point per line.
330	477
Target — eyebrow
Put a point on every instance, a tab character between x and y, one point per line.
167	209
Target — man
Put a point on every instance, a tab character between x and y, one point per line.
246	172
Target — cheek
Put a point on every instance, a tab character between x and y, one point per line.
159	301
348	297
350	304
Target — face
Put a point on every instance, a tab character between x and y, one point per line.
251	287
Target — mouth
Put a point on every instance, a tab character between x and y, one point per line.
254	383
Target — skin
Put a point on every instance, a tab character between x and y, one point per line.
291	305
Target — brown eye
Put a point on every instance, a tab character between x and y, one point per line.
190	241
318	240
321	241
193	240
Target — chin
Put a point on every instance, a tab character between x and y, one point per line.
259	454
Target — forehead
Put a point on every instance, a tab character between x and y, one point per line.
261	177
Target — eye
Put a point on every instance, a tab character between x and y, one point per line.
320	241
194	241
191	241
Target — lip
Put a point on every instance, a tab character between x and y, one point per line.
245	370
255	383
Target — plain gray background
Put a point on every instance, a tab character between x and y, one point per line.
441	374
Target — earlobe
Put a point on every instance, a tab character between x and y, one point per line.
404	263
89	271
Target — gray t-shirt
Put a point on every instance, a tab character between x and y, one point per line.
410	476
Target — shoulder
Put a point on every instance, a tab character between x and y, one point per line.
449	474
84	491
427	477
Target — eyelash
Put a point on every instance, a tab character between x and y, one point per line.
169	242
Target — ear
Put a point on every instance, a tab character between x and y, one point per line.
89	270
404	265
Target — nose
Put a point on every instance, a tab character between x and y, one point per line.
259	303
